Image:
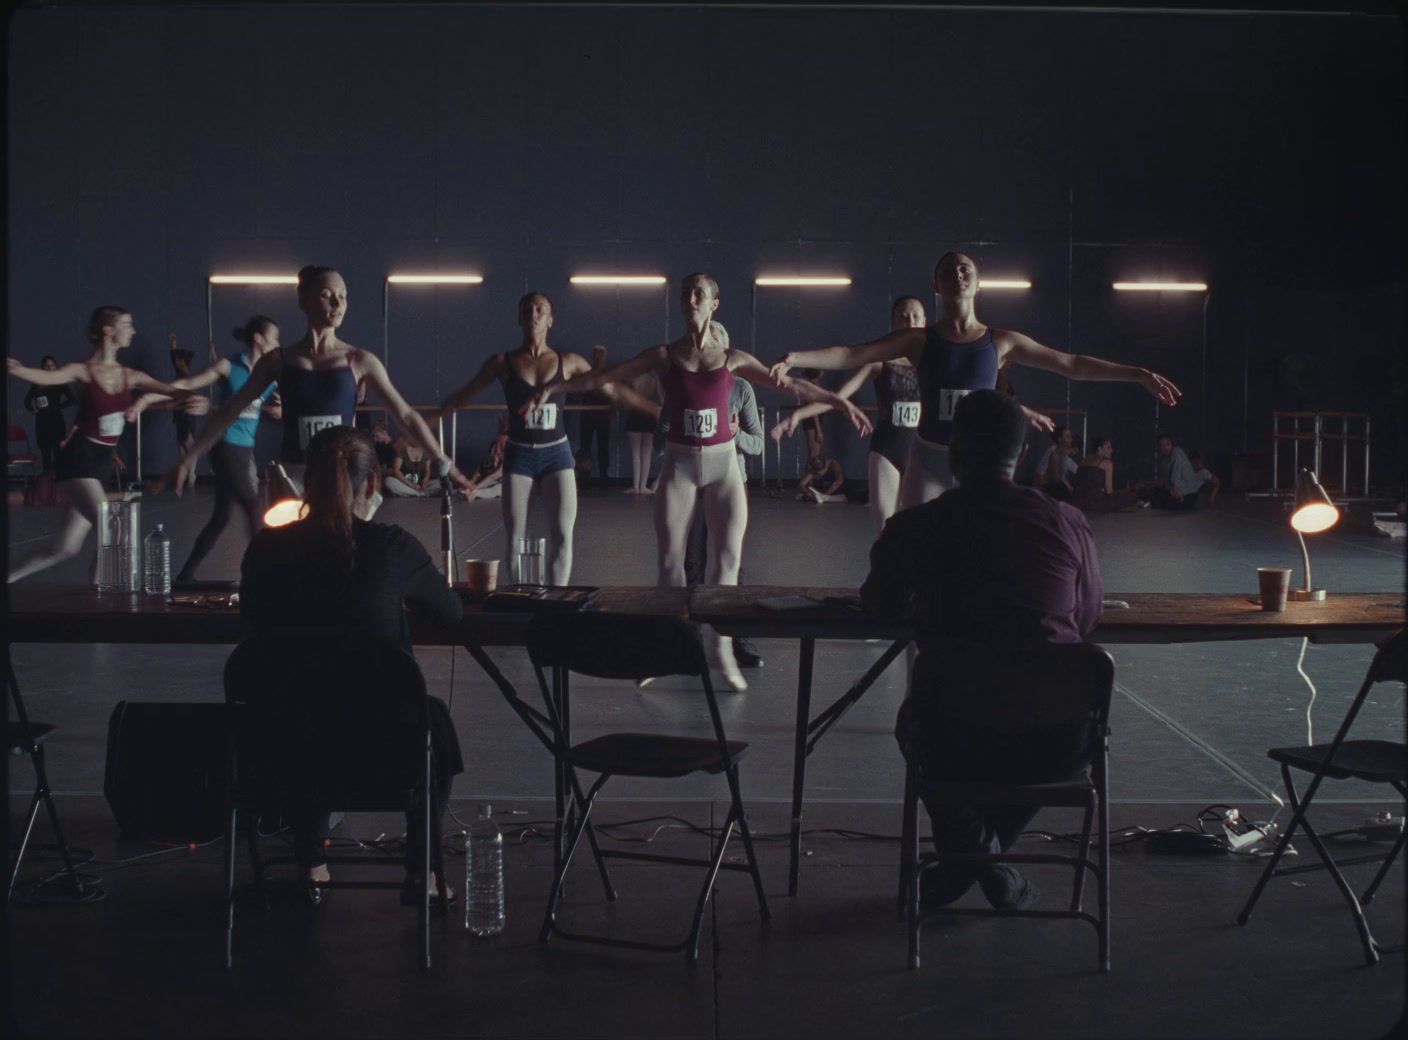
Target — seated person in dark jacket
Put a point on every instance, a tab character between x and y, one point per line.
336	567
994	565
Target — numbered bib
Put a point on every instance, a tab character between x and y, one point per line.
309	426
702	424
541	418
41	402
111	425
904	413
948	401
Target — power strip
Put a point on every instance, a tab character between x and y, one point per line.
1384	827
1186	843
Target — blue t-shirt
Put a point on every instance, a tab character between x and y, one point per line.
241	431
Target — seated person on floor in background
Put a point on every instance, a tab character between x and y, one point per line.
410	472
996	566
385	449
1178	485
823	481
337	568
1206	478
1093	486
1058	464
488	480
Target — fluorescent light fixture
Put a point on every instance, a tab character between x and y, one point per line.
254	279
1003	283
435	279
830	280
618	279
1160	286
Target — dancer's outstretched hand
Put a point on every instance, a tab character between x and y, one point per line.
779	371
859	420
1038	421
784	428
1164	389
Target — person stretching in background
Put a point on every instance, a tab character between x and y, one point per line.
1093	487
814	483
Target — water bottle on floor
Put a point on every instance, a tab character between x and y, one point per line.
156	552
484	875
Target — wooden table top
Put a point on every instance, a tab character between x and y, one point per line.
1152	617
79	614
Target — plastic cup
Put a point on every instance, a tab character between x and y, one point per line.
481	576
1275	584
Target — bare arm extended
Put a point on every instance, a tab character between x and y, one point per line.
266	370
750	368
857	379
1023	350
74	372
896	344
652	359
489	372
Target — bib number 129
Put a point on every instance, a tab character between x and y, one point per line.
702	424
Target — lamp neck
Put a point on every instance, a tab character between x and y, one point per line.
1305	558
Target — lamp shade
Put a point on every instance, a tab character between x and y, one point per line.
1313	510
287	504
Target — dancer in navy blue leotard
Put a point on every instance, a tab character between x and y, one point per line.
959	354
318	379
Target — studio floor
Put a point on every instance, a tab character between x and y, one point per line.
1191	725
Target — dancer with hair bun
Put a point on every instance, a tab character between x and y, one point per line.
232	460
957	355
537	454
897	413
318	379
105	406
696	375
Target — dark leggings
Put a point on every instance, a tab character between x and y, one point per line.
49	441
236	483
597	425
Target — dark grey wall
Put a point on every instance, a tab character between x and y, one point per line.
1263	154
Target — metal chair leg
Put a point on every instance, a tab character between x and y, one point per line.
24	842
692	947
909	829
555	895
747	836
1102	889
1371	954
230	887
1383	870
1084	855
1269	871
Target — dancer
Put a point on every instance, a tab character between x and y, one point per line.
696	374
182	422
640	434
410	472
594	426
48	404
232	460
537	454
897	413
104	400
1058	465
959	354
488	480
822	471
318	380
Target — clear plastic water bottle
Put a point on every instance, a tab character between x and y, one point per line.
156	552
484	875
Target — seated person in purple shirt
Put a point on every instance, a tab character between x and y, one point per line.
992	564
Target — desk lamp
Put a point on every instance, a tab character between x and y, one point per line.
288	504
1313	512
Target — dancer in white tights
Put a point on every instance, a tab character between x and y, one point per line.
537	454
897	413
959	354
640	433
696	374
104	407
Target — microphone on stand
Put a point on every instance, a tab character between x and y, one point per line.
447	516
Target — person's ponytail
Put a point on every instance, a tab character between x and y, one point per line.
339	460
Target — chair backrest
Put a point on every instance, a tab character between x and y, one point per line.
616	646
1033	688
329	711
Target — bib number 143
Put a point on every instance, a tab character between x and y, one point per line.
905	414
702	424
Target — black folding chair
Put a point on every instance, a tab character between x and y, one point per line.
1046	688
631	647
327	722
25	737
1374	761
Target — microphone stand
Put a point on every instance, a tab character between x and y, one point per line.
447	525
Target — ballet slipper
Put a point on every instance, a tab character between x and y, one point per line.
719	654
